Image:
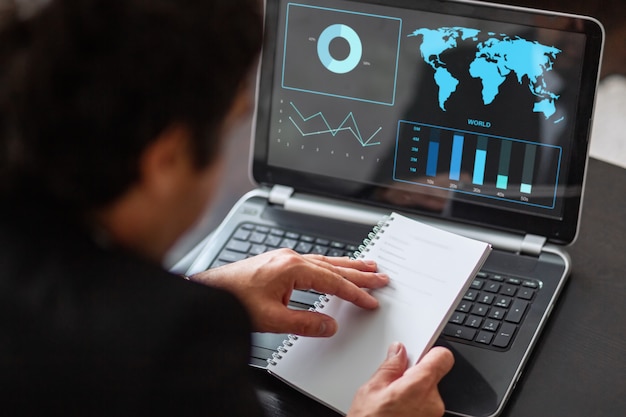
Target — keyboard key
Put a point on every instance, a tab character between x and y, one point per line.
491	325
457	318
503	301
505	335
304	297
242	234
257	249
319	250
518	308
351	248
288	243
230	256
477	284
292	235
335	252
514	281
272	241
492	287
509	290
304	247
464	306
531	284
484	337
460	332
480	310
474	322
497	313
257	237
277	232
470	295
219	263
238	246
486	298
526	293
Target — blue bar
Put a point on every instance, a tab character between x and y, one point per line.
479	167
529	167
503	168
457	154
433	154
526	188
503	182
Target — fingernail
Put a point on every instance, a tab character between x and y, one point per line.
383	277
327	328
394	349
369	262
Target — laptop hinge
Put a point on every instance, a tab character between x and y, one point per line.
279	194
532	245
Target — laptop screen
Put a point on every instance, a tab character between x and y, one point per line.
460	110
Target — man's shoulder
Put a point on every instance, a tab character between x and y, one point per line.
49	262
79	316
60	277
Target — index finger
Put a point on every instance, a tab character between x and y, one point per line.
360	272
329	282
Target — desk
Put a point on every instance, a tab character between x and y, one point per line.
578	367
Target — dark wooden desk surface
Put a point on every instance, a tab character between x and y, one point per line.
578	368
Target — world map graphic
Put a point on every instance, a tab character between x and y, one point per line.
497	57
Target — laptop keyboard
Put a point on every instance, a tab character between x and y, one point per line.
489	314
492	310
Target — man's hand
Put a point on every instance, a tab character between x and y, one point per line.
398	391
264	284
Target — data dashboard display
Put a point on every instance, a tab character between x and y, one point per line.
431	107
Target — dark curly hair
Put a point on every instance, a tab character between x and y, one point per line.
86	85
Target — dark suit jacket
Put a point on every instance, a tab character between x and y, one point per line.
89	330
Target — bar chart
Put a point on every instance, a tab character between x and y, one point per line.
479	164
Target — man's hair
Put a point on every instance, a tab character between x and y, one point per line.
86	85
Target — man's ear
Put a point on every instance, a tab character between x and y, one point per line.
166	161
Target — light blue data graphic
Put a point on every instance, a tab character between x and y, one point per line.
457	156
480	161
433	152
497	57
349	124
339	66
340	53
483	166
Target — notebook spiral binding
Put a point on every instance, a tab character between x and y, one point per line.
323	299
372	237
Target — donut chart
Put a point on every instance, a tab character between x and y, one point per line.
353	59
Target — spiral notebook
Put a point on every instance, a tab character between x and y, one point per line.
429	269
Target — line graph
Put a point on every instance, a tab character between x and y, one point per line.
345	125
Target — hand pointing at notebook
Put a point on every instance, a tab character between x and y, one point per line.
265	282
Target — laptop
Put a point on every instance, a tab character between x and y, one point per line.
469	116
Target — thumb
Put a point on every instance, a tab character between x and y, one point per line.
393	367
